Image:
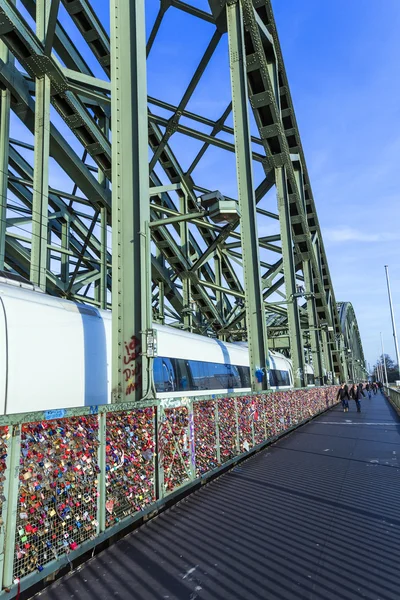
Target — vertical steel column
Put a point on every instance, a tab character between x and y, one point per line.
5	98
161	289
218	294
131	282
186	287
12	504
327	353
65	235
105	127
4	144
41	165
295	335
313	323
103	258
343	359
254	304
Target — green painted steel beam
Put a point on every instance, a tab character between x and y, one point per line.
5	103
39	256
316	348
173	122
51	27
198	135
296	338
254	305
4	132
60	150
131	283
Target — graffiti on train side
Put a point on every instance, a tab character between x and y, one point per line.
133	365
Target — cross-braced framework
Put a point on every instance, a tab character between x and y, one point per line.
235	239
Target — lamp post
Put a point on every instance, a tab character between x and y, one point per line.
384	360
396	346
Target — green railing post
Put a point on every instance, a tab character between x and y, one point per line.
253	437
160	453
274	414
217	443
192	444
12	506
264	404
237	427
101	480
4	507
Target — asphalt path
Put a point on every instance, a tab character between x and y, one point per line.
313	517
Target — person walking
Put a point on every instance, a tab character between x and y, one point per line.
343	395
356	392
368	388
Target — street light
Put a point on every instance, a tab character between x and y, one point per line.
392	315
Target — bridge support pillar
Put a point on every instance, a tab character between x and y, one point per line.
40	218
4	143
313	323
295	333
254	303
131	281
5	101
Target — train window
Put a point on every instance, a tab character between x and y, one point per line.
173	374
200	374
182	370
233	376
164	375
244	376
214	376
223	376
278	378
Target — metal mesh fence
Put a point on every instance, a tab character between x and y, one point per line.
59	505
57	501
246	410
4	437
259	411
174	442
205	436
130	447
228	433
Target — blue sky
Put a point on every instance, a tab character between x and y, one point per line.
342	61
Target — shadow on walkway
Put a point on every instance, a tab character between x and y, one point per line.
312	517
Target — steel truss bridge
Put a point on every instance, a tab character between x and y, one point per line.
200	214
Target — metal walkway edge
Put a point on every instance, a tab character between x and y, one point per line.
314	517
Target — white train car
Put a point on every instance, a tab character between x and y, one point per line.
309	373
57	354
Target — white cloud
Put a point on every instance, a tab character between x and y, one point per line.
348	234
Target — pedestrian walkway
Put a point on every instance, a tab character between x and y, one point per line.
315	516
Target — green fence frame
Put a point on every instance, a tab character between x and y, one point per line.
70	479
393	395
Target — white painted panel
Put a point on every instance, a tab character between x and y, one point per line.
106	315
3	359
278	361
174	343
46	355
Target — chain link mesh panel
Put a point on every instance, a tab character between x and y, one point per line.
205	436
174	443
57	501
130	447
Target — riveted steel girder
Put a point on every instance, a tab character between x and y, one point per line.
207	277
